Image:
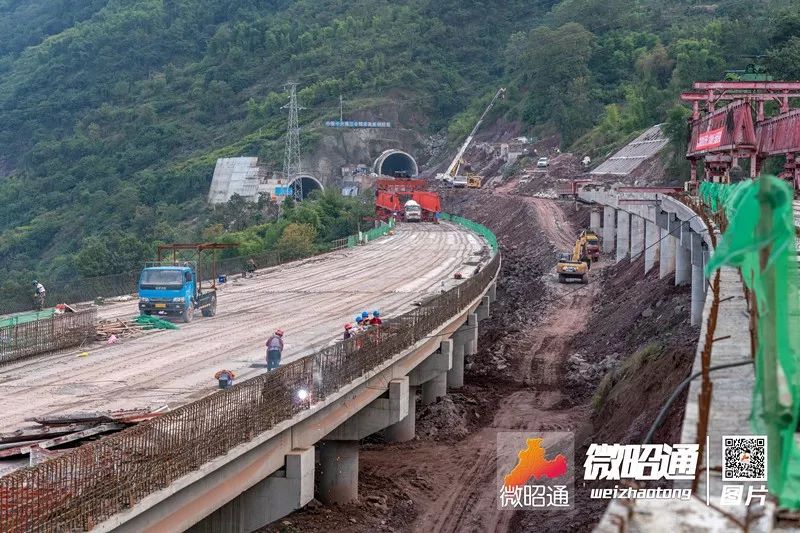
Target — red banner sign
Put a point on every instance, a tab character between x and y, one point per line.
709	139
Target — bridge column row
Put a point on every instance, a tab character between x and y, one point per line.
623	234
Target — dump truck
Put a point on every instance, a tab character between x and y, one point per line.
570	188
592	242
176	288
574	265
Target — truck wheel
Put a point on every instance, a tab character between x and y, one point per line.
188	314
585	279
561	278
211	310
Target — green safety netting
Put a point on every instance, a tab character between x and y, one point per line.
152	322
380	231
480	229
24	318
760	218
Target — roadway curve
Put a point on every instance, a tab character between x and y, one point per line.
310	300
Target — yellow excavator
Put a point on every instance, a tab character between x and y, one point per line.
574	265
473	181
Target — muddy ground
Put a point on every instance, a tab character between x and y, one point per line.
597	360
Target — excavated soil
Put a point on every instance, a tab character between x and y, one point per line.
542	356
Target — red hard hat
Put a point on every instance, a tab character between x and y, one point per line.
279	332
348	326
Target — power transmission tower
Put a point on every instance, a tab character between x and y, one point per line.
291	155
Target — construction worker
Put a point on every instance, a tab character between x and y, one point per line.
359	327
376	319
38	295
348	331
274	350
250	267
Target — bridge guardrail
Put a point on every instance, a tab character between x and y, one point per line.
759	239
87	485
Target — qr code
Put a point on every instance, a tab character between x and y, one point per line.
744	458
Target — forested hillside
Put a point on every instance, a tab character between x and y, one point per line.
113	112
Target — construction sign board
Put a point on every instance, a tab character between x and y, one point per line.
709	139
356	124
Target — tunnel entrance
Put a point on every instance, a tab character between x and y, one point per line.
308	183
392	162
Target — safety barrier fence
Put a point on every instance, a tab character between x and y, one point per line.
56	332
88	289
472	226
380	231
85	486
759	239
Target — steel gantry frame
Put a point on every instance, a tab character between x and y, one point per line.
720	136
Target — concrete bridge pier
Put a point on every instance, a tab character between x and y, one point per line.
637	236
406	429
698	279
594	220
437	387
609	230
683	255
465	343
666	254
652	245
492	293
483	309
338	480
623	234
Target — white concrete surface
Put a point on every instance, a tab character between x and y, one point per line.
310	300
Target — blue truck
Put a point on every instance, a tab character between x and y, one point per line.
175	288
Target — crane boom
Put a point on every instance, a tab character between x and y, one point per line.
452	168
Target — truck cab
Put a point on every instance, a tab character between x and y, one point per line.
412	212
174	291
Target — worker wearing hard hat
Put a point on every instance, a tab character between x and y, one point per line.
348	331
376	318
274	350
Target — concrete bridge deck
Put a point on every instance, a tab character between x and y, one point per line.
310	300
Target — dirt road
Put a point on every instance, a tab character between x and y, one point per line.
311	300
460	492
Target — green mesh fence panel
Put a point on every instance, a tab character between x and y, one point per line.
480	229
761	229
380	231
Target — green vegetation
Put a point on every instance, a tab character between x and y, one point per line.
112	112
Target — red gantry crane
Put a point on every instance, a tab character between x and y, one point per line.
721	136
